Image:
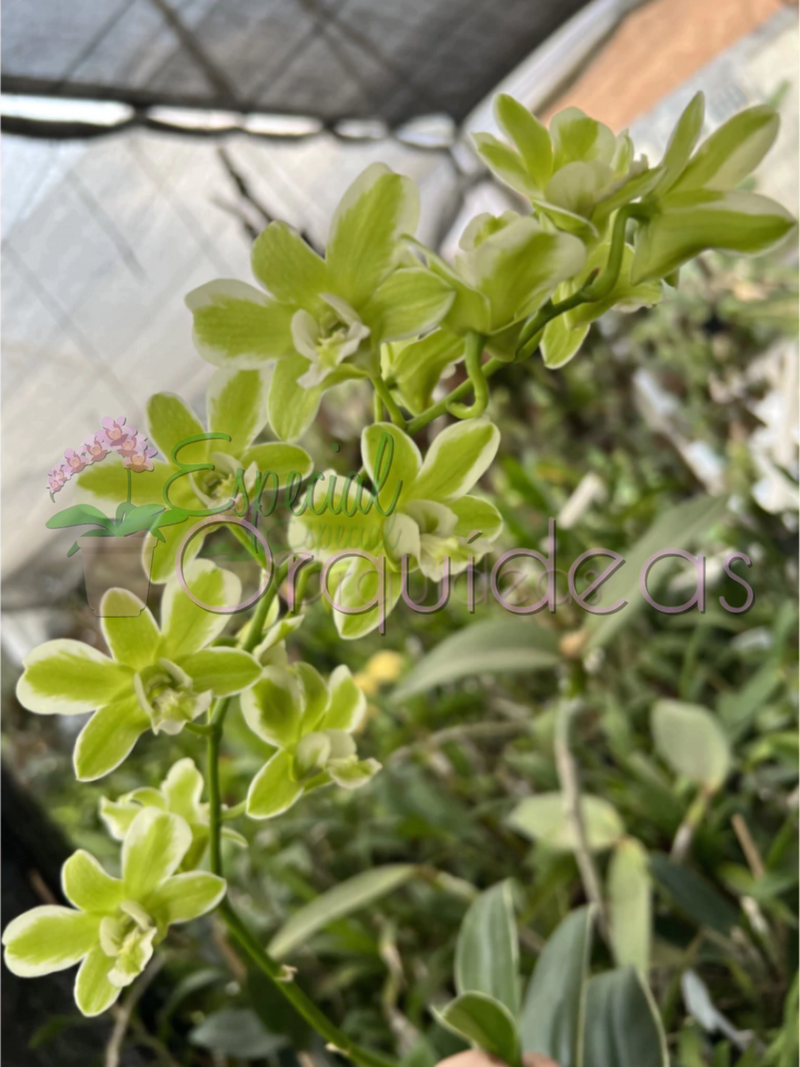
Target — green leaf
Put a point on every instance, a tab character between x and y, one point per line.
694	894
542	818
129	628
458	457
552	1017
691	740
47	939
145	517
236	325
170	420
342	900
274	789
622	1025
223	670
733	151
288	268
363	247
79	515
680	526
630	905
487	957
94	991
108	737
152	851
88	887
528	134
485	1022
186	626
737	709
185	896
410	302
236	402
236	1032
493	646
66	677
692	222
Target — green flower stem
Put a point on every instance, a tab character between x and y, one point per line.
130	483
596	287
382	390
282	977
284	981
216	721
602	286
234	812
473	351
530	336
217	716
460	391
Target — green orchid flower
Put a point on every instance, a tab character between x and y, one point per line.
509	265
695	205
309	721
575	175
179	794
157	680
422	510
236	404
323	320
114	922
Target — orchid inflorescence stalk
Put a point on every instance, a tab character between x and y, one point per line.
599	229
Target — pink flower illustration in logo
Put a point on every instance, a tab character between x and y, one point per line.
75	462
95	447
129	445
141	458
114	437
57	478
115	431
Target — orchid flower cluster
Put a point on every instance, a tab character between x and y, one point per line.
114	436
596	228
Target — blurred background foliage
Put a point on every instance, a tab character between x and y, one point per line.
659	409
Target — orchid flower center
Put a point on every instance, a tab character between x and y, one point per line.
166	693
127	937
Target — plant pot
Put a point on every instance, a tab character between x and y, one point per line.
117	563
